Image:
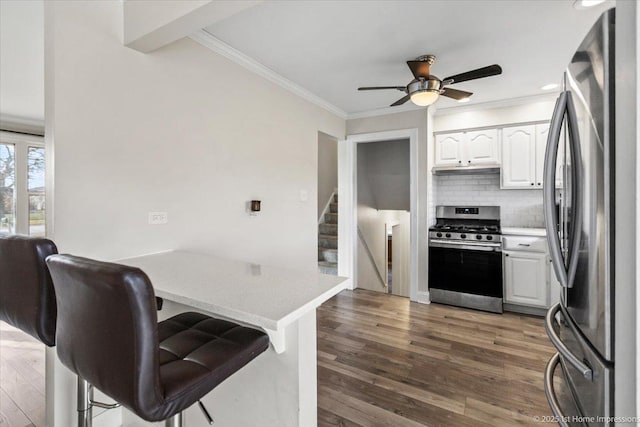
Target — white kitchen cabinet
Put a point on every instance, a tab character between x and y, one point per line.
449	149
481	147
525	276
467	148
523	151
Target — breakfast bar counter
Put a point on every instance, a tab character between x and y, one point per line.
279	388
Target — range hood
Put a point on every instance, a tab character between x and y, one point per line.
466	170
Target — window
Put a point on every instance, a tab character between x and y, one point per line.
22	184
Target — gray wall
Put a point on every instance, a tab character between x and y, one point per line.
327	169
384	168
520	208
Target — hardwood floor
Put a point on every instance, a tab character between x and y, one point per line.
384	361
22	365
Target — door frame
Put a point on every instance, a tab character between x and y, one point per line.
348	197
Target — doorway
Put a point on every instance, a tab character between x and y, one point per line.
383	189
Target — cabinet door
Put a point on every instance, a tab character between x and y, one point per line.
449	149
482	147
519	157
525	278
542	132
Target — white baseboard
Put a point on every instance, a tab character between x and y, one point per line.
423	297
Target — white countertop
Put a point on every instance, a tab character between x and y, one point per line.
523	231
259	295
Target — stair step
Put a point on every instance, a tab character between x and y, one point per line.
328	229
331	218
327	241
325	254
333	207
328	267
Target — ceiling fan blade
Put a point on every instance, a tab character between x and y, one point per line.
419	68
456	94
401	100
491	70
400	88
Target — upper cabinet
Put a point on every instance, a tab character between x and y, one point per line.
467	148
449	149
523	149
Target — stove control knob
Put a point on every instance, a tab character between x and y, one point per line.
479	236
439	234
463	236
489	237
447	235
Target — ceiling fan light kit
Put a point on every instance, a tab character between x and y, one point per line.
425	88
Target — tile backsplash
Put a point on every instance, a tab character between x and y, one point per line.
518	208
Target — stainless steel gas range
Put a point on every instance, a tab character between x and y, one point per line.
465	257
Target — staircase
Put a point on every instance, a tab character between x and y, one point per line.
328	240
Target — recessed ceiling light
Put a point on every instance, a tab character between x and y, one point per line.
464	100
584	4
549	86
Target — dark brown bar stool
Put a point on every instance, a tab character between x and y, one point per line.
27	297
109	336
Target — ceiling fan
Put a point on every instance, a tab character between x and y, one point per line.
426	88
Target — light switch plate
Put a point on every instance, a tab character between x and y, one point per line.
156	218
304	195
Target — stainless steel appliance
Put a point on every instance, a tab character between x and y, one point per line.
579	166
465	257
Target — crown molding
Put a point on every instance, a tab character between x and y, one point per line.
502	103
211	42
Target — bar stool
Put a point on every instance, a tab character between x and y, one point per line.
109	336
27	297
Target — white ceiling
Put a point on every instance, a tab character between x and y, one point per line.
332	47
22	59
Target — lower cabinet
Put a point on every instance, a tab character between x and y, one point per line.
529	279
526	276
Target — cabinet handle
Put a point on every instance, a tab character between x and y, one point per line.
469	161
524	244
459	161
532	183
506	254
539	184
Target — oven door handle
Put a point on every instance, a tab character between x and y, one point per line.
492	247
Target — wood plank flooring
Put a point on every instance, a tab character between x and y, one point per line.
22	376
384	361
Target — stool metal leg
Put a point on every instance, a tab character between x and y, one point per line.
175	421
85	396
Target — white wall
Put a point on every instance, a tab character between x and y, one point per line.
407	120
22	65
181	130
327	169
495	114
519	208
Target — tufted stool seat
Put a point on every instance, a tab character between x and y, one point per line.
109	336
198	352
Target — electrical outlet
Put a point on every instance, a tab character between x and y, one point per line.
158	218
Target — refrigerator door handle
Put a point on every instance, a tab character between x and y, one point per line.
550	391
549	189
562	349
576	203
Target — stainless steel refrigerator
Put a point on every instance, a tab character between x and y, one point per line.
579	210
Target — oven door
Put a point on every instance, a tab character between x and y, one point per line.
475	271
